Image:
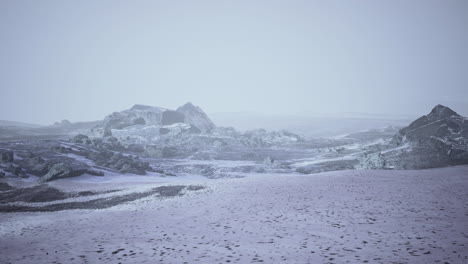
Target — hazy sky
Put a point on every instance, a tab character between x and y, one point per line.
81	60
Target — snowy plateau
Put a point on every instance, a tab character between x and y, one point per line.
155	185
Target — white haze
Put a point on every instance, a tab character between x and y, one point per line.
81	60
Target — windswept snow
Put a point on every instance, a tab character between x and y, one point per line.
336	217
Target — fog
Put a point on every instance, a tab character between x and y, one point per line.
81	60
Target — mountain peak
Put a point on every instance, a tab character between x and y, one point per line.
140	107
441	111
188	105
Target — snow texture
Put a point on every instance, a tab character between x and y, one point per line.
335	217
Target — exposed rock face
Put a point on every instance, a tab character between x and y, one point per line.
59	170
138	115
106	143
15	170
37	166
143	124
68	168
7	156
119	162
170	117
434	140
81	139
195	116
441	123
5	187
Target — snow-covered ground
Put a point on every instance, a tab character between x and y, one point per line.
354	216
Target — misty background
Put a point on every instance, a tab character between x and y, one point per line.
246	63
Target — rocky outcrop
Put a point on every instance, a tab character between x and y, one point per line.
138	115
441	123
434	140
143	124
68	169
15	170
170	117
59	170
7	156
195	116
119	162
107	143
81	139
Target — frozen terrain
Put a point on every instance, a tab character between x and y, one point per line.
154	185
350	216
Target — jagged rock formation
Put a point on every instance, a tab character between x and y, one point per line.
434	140
195	116
187	132
142	124
142	139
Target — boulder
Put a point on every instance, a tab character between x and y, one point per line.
59	170
81	139
62	170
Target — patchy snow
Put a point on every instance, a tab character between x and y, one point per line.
114	177
338	217
319	160
80	158
406	146
426	125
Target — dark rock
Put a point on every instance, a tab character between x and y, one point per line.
194	130
328	166
100	203
81	139
435	140
5	187
164	131
170	152
7	156
139	121
36	194
62	170
59	170
37	166
195	116
170	117
17	171
107	132
138	148
128	168
95	173
195	188
120	162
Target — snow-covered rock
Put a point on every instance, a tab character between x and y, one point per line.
195	116
434	140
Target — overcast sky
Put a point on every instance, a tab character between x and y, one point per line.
81	60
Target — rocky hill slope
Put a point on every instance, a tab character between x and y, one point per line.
434	140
